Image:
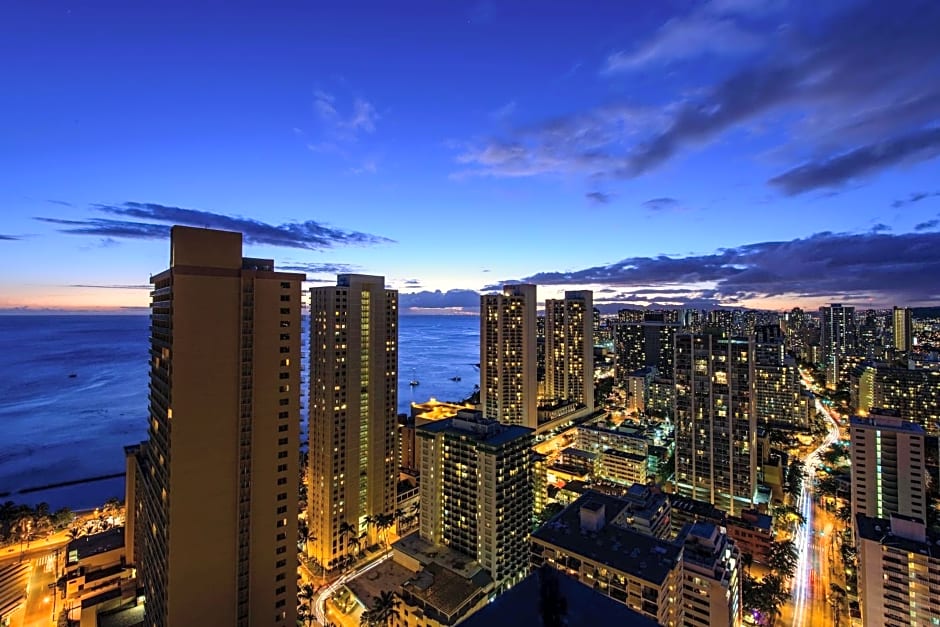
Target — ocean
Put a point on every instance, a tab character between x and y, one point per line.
55	427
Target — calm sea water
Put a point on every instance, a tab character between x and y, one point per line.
54	427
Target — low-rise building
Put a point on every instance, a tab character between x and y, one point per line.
97	576
640	571
753	533
684	510
621	467
711	564
646	510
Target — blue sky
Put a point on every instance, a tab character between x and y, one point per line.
764	153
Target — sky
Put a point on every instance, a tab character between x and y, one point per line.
727	152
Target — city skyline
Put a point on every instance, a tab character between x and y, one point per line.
728	152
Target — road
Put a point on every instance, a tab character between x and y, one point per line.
319	603
810	585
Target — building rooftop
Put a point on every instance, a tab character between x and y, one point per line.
444	589
621	549
879	530
886	421
753	518
426	553
577	452
694	507
93	544
471	423
585	607
612	452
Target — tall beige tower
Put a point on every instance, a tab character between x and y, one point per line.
217	479
353	408
902	324
889	471
569	348
508	383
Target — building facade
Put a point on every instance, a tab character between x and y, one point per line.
898	572
903	327
716	422
889	474
353	408
838	338
508	383
569	348
216	481
476	491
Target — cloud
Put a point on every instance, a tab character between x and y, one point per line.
701	33
898	268
9	238
880	228
463	299
662	204
855	90
834	171
928	225
309	235
599	198
114	287
345	127
317	268
61	203
368	167
504	111
412	282
912	198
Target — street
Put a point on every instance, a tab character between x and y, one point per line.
809	605
319	603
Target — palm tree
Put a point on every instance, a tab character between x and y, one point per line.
305	615
384	522
384	609
783	558
346	530
747	560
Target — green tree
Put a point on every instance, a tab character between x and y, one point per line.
784	558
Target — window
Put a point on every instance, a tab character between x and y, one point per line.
285	298
280	603
284	401
283	414
285	285
282	455
280	564
282	441
280	577
281	549
282	496
282	481
281	509
285	311
281	536
281	468
281	428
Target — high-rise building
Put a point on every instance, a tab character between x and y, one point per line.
508	384
476	491
912	392
838	338
898	572
777	380
711	569
569	349
639	345
889	472
716	422
903	329
353	408
217	479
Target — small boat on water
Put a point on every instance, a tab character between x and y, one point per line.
72	375
414	380
457	378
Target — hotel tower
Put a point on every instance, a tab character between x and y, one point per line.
216	482
353	408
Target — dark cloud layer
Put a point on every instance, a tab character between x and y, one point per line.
895	268
317	268
464	299
8	238
912	198
599	198
861	85
138	222
661	204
